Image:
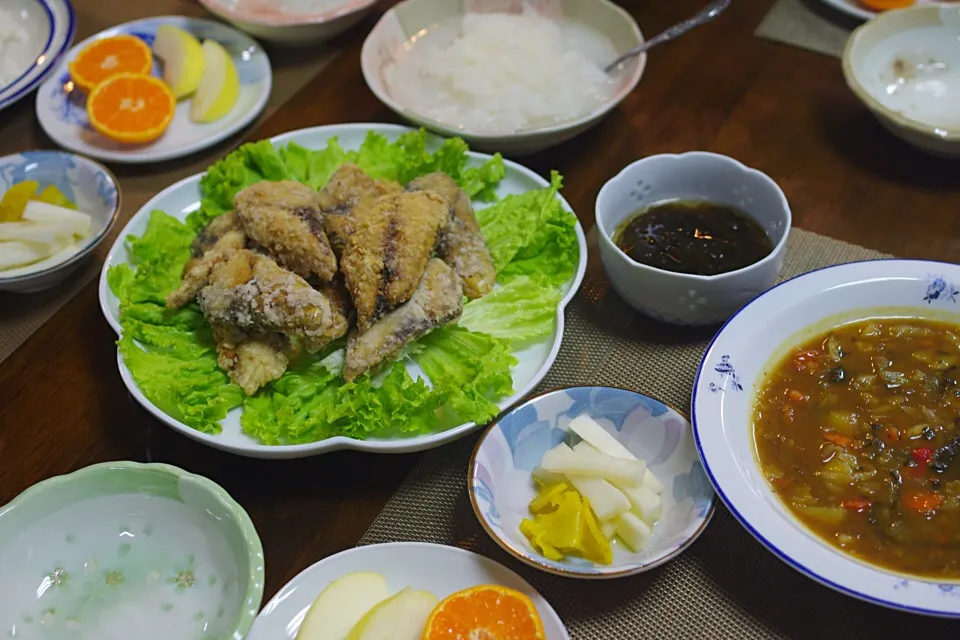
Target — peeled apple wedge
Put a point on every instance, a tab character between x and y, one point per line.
183	59
341	605
563	459
219	87
400	617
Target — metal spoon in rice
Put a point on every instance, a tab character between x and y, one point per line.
707	14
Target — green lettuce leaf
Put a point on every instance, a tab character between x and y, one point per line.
469	370
309	403
531	234
521	311
192	390
158	257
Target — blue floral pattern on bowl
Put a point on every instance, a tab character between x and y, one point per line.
85	182
501	487
940	290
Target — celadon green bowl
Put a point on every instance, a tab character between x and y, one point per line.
128	551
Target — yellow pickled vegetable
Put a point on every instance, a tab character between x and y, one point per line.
15	200
52	195
564	524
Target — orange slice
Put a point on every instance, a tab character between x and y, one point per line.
885	5
109	56
131	107
489	612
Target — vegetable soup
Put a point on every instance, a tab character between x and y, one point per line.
858	432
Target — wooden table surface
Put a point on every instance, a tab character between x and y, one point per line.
780	109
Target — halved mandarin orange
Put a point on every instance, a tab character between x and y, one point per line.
886	5
490	612
131	107
109	56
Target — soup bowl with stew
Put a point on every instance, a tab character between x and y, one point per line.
695	177
825	416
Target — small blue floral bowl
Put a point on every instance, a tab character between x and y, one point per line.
501	487
86	183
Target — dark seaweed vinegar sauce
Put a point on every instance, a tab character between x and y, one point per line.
696	237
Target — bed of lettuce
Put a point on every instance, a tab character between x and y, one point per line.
172	357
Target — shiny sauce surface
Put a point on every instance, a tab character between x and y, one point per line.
695	237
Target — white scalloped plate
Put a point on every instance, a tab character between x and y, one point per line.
183	197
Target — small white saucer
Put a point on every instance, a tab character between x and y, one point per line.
62	112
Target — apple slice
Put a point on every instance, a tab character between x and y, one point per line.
220	86
400	617
341	605
183	62
67	219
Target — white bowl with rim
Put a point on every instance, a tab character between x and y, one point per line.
392	36
86	183
904	65
732	372
291	22
39	33
680	298
500	485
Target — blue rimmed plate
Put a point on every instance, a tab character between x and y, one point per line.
61	107
500	485
733	370
39	32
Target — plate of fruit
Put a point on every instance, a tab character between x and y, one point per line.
407	591
154	90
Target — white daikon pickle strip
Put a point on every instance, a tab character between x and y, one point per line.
606	500
634	532
644	502
72	221
545	477
14	254
609	529
650	481
35	232
563	459
46	263
592	433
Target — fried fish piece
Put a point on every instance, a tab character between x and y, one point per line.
462	245
221	238
388	250
285	219
252	360
251	292
438	300
348	187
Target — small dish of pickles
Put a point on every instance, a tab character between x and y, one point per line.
55	208
591	482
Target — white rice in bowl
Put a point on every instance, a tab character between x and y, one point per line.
503	73
13	40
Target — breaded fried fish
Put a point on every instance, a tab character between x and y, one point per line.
388	250
348	186
251	292
285	219
461	243
252	360
437	300
223	236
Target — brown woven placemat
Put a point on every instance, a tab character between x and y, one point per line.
808	24
726	585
